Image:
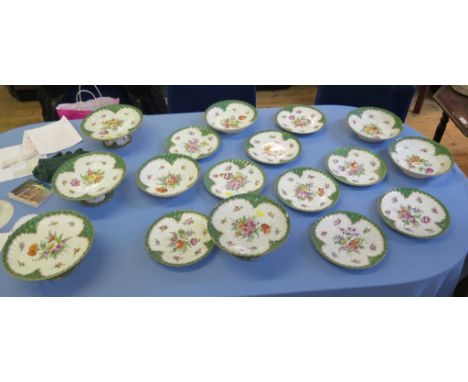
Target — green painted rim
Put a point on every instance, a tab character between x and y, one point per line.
223	105
241	163
113	108
285	135
299	171
69	166
358	111
343	152
30	227
171	158
354	217
177	215
439	150
290	108
444	224
203	130
255	200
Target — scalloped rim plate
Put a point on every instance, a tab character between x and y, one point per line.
414	213
365	168
300	119
174	175
373	124
179	238
194	141
249	226
234	177
307	189
116	127
278	147
347	239
238	115
81	180
48	245
418	161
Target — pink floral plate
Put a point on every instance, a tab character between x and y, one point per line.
356	166
349	240
248	226
234	177
421	157
414	213
179	238
197	142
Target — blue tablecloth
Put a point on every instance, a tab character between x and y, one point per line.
118	264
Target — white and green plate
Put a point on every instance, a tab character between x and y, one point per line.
89	177
230	116
113	124
179	238
421	157
197	142
234	177
349	240
6	212
300	119
273	147
356	166
414	213
307	189
373	124
248	226
48	246
168	175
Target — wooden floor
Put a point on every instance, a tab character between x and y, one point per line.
14	113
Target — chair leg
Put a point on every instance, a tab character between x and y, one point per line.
421	97
441	127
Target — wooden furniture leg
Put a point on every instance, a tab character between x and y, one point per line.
441	127
421	97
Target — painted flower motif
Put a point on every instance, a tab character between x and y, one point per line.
246	228
51	246
373	247
354	168
168	182
231	122
75	182
304	191
372	130
337	222
235	181
265	228
194	145
182	240
188	221
409	215
434	210
419	164
92	177
112	124
349	240
426	219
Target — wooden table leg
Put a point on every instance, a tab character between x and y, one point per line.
421	97
441	127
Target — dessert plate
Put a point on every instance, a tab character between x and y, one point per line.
414	213
113	124
307	189
248	226
48	246
230	116
349	239
273	147
234	177
6	212
421	157
90	177
179	238
356	166
168	175
197	142
300	119
373	124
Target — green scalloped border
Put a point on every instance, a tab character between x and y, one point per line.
354	217
343	152
69	166
358	111
113	108
299	171
176	215
204	131
406	192
171	158
285	135
30	227
439	150
241	163
290	108
223	105
254	200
